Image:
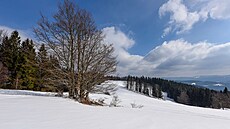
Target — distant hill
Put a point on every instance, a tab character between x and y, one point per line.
215	82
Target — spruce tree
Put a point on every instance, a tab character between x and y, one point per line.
43	63
29	65
10	57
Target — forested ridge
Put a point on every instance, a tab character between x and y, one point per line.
179	92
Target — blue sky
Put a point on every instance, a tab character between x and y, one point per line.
139	19
146	32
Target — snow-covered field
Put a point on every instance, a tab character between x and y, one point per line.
36	110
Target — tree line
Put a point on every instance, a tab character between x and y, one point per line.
73	56
17	59
179	92
144	85
21	67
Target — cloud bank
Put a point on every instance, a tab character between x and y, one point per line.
172	58
181	58
183	16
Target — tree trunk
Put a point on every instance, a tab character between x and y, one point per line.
16	83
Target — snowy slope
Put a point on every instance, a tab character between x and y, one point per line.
39	112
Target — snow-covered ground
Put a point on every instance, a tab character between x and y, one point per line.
36	110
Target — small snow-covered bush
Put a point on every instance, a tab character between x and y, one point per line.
105	88
115	102
101	101
134	105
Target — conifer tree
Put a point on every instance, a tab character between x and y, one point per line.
3	69
55	78
10	57
3	75
29	66
43	60
225	90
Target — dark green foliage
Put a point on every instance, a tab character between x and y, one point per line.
3	75
185	94
29	65
144	85
11	58
181	93
20	61
43	64
23	68
48	78
183	98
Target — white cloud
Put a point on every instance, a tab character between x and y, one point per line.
22	33
166	31
183	18
217	9
119	39
180	58
127	63
173	58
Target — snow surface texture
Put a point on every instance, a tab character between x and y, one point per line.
34	111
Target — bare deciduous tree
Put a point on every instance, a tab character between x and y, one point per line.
78	45
2	35
183	98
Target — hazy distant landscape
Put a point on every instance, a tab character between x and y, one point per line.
211	82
